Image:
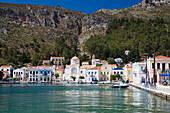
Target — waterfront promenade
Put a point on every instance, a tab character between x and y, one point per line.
159	90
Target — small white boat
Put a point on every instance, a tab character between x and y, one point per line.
71	82
107	82
119	85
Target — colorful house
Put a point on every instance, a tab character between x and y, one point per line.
9	69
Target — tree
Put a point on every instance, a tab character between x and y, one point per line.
81	77
111	61
73	77
57	75
67	61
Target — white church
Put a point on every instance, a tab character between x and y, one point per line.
74	69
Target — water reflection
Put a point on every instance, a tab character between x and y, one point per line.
53	98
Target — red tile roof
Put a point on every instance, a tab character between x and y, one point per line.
59	69
129	66
5	66
46	60
86	66
142	61
160	56
97	67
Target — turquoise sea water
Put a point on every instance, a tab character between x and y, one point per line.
52	98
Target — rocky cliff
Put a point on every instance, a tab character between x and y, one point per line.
50	21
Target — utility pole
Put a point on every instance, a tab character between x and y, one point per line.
154	75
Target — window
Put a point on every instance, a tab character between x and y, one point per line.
14	72
30	79
105	67
104	73
169	65
158	65
121	72
101	72
81	71
163	66
7	69
153	66
33	72
101	78
107	73
36	72
141	68
88	73
118	72
36	79
21	73
114	73
30	72
95	73
92	73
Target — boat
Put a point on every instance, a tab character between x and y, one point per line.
71	82
94	82
107	82
119	85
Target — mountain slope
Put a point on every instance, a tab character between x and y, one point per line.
32	27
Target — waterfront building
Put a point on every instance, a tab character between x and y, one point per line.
75	70
118	60
39	74
46	62
119	71
60	72
57	60
93	74
33	75
128	72
139	75
162	63
106	72
7	70
19	74
45	74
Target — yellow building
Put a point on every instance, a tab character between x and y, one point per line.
106	71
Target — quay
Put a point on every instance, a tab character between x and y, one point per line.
159	90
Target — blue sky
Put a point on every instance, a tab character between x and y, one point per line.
86	6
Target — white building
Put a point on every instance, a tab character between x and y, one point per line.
19	74
118	60
7	69
75	70
138	72
119	71
46	62
93	74
162	63
127	52
57	60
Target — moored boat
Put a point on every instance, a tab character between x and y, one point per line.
119	85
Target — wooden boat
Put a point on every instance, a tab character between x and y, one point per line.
119	85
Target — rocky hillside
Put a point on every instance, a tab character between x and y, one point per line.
20	24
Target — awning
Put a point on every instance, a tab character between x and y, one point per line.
165	74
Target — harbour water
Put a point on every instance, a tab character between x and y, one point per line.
52	98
